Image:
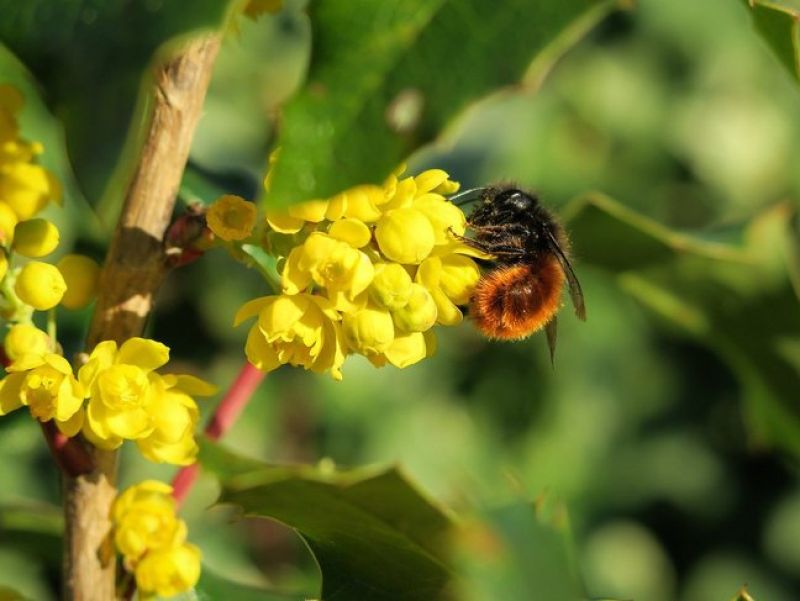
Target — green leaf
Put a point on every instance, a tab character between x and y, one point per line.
91	60
778	22
387	76
738	300
374	536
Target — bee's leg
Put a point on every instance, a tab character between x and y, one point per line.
490	248
471	242
504	251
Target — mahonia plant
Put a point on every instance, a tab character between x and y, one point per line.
116	395
369	271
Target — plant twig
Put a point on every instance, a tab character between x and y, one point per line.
133	271
225	415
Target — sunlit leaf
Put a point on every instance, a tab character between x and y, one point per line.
387	76
374	536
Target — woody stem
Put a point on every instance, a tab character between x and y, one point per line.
133	271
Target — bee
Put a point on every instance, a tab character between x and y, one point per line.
520	293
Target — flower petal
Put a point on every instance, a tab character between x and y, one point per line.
144	353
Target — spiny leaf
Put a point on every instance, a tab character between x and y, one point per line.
373	534
387	76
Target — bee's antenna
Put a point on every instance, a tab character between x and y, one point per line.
467	196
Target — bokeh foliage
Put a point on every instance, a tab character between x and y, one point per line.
669	425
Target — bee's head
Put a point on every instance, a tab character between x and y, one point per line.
513	200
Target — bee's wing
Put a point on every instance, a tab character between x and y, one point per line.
551	329
575	291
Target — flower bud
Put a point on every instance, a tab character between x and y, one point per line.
27	188
26	339
391	286
405	235
40	285
231	217
35	238
81	275
407	349
420	312
169	572
369	331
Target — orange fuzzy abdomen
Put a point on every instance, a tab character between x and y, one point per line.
515	301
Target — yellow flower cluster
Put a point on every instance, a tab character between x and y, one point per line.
152	541
127	399
25	189
369	271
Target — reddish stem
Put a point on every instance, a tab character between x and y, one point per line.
69	453
225	415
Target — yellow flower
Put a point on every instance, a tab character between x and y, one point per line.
292	220
352	231
369	331
174	415
300	329
27	188
40	285
445	217
231	217
8	221
44	382
35	238
419	314
168	572
144	520
451	281
26	339
405	235
81	275
407	349
361	203
153	540
344	271
121	398
391	286
3	264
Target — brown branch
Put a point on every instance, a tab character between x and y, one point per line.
133	271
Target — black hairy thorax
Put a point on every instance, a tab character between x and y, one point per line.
511	225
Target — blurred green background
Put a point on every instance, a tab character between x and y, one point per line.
643	427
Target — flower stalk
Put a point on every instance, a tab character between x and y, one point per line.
225	415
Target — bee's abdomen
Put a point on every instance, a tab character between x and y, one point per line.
513	302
